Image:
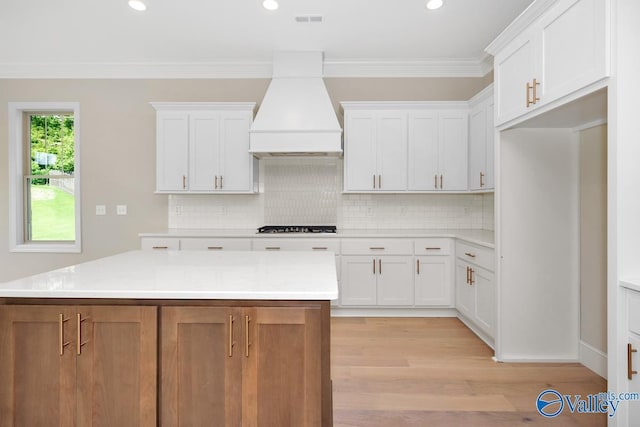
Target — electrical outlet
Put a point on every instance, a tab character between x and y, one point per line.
101	210
121	209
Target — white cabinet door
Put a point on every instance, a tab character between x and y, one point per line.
423	151
358	281
485	299
204	132
392	151
573	47
634	383
452	150
465	293
172	155
236	163
477	146
490	146
433	281
360	151
514	67
395	280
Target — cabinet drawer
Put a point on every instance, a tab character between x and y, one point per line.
377	246
432	246
214	244
634	311
160	243
297	244
481	256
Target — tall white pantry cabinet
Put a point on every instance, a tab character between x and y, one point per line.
563	66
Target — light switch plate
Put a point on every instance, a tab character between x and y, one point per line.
101	210
121	209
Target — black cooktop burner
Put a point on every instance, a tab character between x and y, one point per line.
297	229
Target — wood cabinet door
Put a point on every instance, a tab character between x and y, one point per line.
282	367
116	365
433	281
37	375
172	151
201	351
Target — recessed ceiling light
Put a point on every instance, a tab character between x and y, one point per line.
137	5
270	4
434	4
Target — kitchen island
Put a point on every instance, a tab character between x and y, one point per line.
170	338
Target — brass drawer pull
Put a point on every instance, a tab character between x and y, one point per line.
319	248
215	248
470	254
377	248
417	266
374	266
630	371
468	280
160	247
432	249
273	248
63	344
471	279
79	342
379	266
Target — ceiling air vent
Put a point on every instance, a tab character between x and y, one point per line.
305	19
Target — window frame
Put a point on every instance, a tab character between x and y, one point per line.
17	152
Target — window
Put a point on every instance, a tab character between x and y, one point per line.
44	171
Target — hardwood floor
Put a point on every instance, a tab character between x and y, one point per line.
410	372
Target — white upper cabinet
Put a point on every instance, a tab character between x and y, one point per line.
564	48
481	141
376	152
404	146
204	148
438	150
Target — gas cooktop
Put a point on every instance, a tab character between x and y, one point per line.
297	229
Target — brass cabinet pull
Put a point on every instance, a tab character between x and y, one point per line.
379	266
470	254
184	182
471	279
63	344
435	181
160	247
374	182
535	85
230	335
374	266
467	275
441	182
630	371
319	248
432	248
79	342
379	181
216	182
215	248
481	180
220	181
376	248
417	266
528	99
247	319
273	248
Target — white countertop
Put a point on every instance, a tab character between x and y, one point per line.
188	275
480	237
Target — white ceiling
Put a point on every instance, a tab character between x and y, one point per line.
216	38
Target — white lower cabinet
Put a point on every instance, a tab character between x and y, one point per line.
475	288
633	352
160	243
370	281
215	244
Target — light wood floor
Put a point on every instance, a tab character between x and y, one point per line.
391	372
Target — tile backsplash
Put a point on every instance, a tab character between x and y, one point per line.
308	190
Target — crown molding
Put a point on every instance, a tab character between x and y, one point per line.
469	67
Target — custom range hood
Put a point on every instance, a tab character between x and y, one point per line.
296	117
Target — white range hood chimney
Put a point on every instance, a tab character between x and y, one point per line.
296	116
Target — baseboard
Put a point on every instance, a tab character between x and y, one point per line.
593	359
